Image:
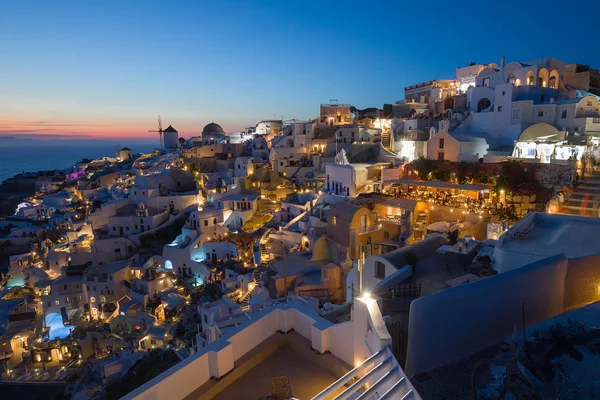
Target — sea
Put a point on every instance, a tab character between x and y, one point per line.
30	155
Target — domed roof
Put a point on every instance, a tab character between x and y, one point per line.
541	132
213	128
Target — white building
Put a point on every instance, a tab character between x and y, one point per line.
286	157
105	284
213	134
171	190
357	133
351	179
508	99
456	147
243	166
133	219
267	127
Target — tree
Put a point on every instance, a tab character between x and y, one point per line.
462	171
425	166
514	177
441	175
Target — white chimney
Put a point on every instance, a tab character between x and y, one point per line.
502	65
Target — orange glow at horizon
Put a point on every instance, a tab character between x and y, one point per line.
91	130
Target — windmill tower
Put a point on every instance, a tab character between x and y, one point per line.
160	131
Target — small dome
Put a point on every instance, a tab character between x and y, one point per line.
213	128
541	132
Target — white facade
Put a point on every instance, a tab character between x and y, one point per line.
284	157
131	222
243	166
170	138
363	340
443	146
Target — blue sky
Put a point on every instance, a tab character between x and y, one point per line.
109	67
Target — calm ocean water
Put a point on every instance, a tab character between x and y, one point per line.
20	155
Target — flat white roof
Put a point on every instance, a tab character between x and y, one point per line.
549	234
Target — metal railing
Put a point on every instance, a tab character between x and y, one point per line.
365	229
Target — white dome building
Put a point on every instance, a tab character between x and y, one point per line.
213	134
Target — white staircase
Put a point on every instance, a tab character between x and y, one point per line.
378	377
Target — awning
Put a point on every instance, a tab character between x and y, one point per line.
439	185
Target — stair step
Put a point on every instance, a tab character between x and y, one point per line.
569	207
585	213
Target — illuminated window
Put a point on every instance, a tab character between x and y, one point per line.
92	299
334	220
57	303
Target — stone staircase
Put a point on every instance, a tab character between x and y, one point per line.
386	140
586	199
256	275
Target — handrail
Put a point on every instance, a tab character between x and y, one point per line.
370	391
359	383
396	386
342	381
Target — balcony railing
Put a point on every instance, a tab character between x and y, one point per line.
395	221
365	229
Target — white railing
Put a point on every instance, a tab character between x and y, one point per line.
366	229
380	373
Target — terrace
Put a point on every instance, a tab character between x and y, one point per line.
256	359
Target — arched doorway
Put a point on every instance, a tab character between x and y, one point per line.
553	80
512	79
168	264
543	76
483	104
449	103
530	78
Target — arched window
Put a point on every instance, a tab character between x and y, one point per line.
553	81
483	104
530	78
511	79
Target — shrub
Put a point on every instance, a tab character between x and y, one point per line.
452	237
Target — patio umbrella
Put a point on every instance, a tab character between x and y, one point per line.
440	226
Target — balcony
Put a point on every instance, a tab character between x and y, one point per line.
365	229
391	220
